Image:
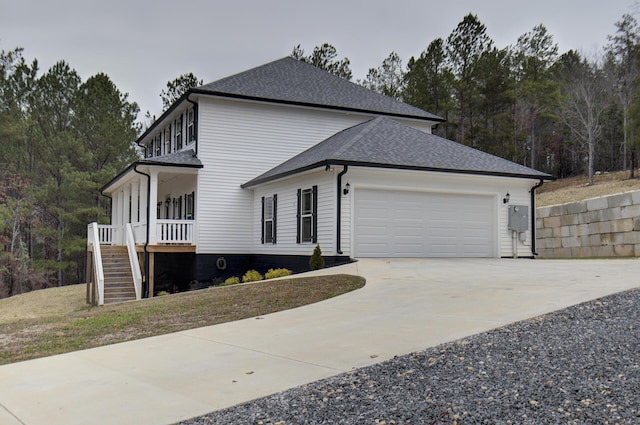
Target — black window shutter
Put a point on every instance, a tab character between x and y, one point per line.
262	222
314	230
298	216
275	213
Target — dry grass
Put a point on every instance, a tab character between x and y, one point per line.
57	320
577	188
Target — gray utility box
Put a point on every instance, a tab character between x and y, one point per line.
518	218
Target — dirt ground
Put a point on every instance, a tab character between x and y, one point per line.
577	188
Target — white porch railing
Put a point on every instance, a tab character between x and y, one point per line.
94	241
168	232
133	261
175	231
109	235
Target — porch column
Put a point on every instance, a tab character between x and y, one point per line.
135	201
143	200
153	201
126	205
118	208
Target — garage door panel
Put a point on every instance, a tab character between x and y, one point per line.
421	224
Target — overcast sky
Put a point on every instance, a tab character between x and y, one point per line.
142	44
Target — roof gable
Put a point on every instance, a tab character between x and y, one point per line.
291	81
386	143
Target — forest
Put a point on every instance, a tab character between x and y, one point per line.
61	138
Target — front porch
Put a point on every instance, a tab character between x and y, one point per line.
153	211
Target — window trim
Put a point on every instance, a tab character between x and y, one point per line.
313	192
265	221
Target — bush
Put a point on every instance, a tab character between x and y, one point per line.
162	294
273	273
316	262
231	281
251	276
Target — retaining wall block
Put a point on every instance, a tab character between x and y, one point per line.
604	227
556	232
582	252
617	238
577	207
541	244
619	200
637	250
625	225
570	242
556	210
624	250
594	216
603	251
631	238
636	224
562	253
595	240
568	219
554	243
585	240
594	229
543	212
564	231
630	211
635	197
545	253
552	222
539	223
545	232
573	231
614	213
596	204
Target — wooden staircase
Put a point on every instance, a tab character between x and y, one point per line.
118	280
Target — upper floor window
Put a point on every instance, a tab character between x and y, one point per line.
167	140
269	208
178	132
191	126
307	215
157	145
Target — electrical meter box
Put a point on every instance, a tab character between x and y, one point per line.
518	218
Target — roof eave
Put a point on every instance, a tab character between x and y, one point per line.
149	163
434	118
259	181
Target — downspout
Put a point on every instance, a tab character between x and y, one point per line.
146	243
339	204
533	216
195	120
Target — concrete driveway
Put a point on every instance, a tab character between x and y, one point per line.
406	306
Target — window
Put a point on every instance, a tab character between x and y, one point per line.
167	140
178	133
307	215
190	210
269	207
158	145
191	126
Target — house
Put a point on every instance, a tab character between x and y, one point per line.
254	170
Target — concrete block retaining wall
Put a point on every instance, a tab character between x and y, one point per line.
608	226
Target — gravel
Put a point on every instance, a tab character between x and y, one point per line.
580	365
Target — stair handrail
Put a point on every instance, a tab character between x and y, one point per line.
93	240
133	260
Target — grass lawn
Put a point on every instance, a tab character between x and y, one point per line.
57	320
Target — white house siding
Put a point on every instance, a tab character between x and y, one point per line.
239	140
495	187
287	208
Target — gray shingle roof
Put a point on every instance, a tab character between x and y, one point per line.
292	81
384	142
186	158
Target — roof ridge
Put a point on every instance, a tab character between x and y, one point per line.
367	127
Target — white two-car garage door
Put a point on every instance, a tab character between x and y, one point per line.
423	224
